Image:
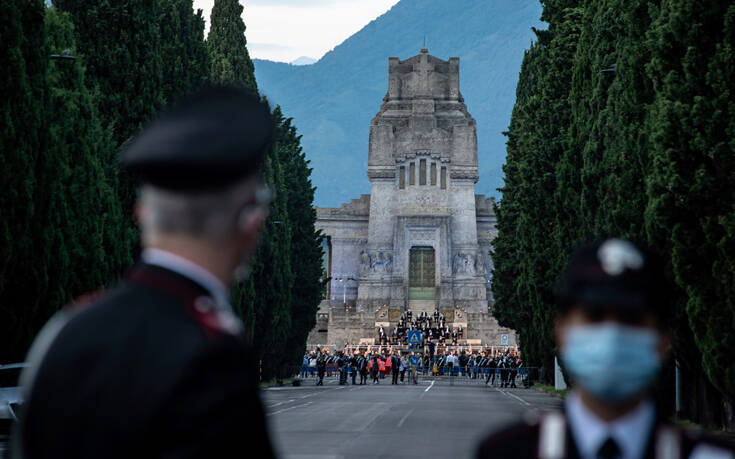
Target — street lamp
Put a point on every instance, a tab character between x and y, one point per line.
343	280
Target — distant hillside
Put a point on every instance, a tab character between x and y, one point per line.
333	100
303	60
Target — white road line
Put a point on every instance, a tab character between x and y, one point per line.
281	403
405	416
430	386
319	392
288	409
513	396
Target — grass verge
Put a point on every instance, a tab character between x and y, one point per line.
550	390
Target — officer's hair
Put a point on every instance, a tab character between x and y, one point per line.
208	214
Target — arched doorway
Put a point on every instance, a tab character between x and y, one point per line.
421	273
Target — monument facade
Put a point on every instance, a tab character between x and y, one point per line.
421	239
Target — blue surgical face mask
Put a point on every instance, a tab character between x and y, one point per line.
612	361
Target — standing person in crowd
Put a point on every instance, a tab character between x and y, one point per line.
353	366
160	361
463	360
404	365
364	368
613	304
305	366
312	365
321	368
413	361
395	367
381	367
513	370
488	365
342	364
388	363
375	369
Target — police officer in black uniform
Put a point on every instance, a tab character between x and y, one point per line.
158	366
610	332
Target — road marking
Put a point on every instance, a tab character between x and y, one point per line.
513	396
405	416
430	386
288	409
281	403
319	392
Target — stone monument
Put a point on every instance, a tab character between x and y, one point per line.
421	240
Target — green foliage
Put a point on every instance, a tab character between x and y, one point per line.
306	250
120	42
279	302
691	192
524	258
183	50
23	96
645	151
230	60
76	227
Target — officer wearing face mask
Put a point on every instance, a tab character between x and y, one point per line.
610	333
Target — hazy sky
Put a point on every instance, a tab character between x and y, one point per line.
282	30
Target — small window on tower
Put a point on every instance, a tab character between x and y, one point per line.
412	174
402	177
422	172
444	178
433	174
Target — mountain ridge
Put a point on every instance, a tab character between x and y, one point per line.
333	100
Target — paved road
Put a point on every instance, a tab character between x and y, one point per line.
431	420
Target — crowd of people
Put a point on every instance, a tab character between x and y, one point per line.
501	368
433	327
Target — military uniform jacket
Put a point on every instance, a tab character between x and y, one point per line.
151	370
549	437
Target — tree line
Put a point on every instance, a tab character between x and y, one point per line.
624	124
66	224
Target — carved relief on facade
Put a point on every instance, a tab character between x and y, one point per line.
467	263
376	262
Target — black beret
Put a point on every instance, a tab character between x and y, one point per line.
614	274
209	140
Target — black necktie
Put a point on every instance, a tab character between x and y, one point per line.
609	450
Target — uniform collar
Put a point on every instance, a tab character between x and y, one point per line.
631	432
191	271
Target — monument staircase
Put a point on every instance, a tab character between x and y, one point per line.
419	306
455	317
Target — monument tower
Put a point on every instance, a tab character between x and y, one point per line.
421	239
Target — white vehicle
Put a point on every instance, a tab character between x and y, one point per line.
10	395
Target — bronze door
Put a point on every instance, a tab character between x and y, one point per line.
421	274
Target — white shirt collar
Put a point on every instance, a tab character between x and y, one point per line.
190	270
630	432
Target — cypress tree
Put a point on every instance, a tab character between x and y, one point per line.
272	276
82	169
23	136
121	45
307	273
508	308
183	50
537	140
229	57
692	185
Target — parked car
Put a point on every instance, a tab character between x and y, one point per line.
10	395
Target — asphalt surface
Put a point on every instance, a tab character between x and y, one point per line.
434	419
